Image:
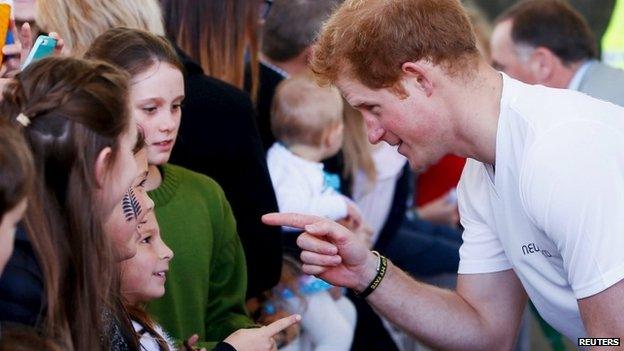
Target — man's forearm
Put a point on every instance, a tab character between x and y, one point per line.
438	317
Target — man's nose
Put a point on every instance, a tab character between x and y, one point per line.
374	129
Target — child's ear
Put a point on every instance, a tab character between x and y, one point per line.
330	134
338	131
102	163
327	137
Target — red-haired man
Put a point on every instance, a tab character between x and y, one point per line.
541	196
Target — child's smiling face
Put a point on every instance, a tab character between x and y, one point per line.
143	276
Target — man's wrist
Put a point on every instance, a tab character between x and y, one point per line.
369	272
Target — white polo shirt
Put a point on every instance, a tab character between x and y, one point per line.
552	207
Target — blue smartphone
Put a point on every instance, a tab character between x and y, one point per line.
44	47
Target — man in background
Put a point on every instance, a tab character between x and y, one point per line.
548	42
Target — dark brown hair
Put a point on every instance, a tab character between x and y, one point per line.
24	338
16	168
133	50
371	39
217	34
292	26
77	108
140	143
553	24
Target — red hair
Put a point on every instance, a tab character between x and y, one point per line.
371	39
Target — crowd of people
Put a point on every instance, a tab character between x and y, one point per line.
307	176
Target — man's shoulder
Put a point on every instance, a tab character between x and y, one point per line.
604	82
599	71
542	108
474	177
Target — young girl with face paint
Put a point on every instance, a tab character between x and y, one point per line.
205	286
143	280
130	213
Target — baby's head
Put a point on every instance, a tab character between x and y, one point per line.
306	114
16	178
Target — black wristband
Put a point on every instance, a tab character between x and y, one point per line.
382	267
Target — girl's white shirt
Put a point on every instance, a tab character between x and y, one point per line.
147	341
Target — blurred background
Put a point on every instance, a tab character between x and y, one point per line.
597	12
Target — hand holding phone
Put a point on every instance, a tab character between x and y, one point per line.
44	47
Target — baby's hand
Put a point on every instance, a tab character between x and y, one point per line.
263	338
336	292
365	233
354	217
440	210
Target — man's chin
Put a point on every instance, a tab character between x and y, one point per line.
417	168
420	165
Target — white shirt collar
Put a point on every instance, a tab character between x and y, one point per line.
278	70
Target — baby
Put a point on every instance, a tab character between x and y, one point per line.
307	122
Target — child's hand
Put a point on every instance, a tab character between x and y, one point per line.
189	344
260	339
16	54
287	335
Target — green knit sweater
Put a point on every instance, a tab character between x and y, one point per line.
207	279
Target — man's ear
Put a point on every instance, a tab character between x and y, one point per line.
542	64
420	74
102	164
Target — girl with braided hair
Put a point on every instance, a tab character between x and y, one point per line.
76	121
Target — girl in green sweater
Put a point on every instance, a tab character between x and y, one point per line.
206	283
